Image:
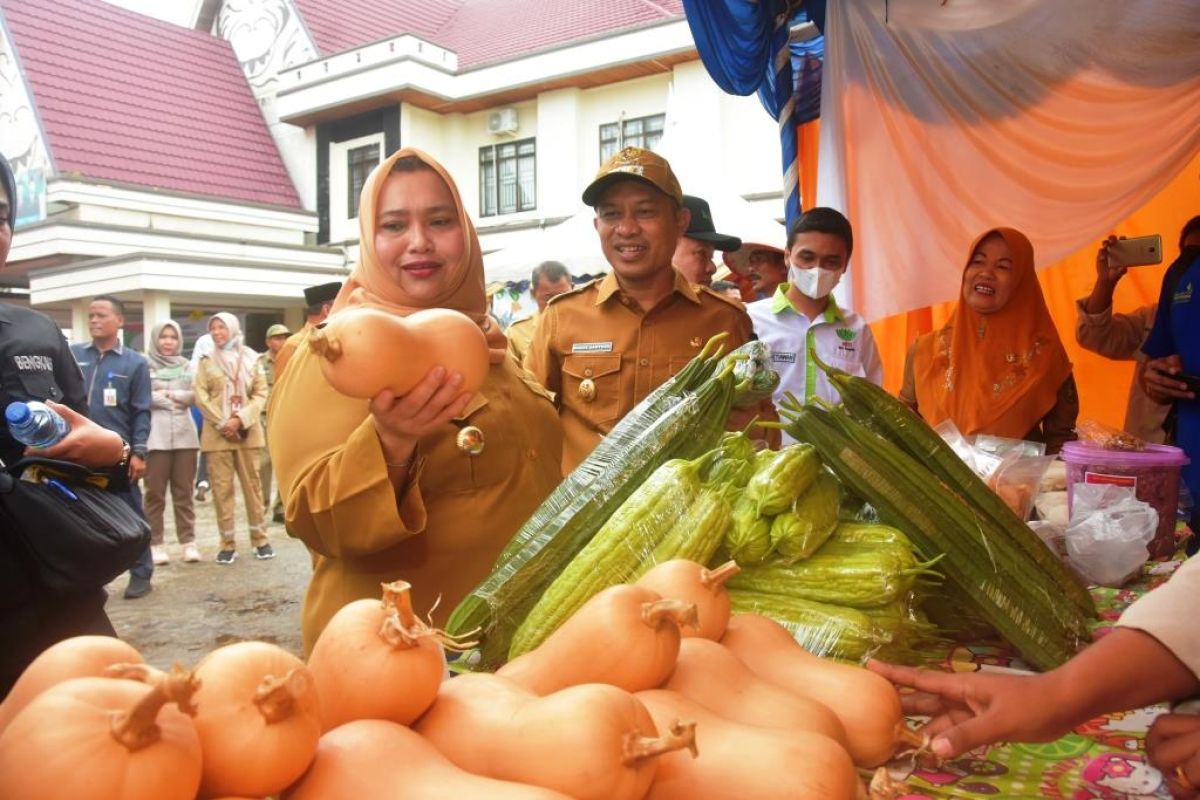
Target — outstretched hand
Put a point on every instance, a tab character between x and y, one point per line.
401	421
970	710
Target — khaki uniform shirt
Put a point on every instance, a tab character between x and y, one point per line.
1120	337
595	334
456	514
520	335
210	397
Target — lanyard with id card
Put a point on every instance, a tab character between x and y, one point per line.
110	393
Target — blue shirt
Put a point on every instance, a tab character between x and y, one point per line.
124	375
1177	331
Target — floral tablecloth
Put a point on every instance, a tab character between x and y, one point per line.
1103	759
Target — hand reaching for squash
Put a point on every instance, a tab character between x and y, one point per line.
401	421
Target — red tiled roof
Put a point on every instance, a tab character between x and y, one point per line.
479	31
127	98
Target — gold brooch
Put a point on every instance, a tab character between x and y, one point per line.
470	440
587	390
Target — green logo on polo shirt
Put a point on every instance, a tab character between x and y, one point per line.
847	334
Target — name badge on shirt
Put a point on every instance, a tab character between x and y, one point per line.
783	358
110	396
592	347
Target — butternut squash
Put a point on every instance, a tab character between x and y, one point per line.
737	761
383	760
626	635
77	657
364	350
711	675
603	741
680	579
866	703
377	661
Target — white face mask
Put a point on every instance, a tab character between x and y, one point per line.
814	282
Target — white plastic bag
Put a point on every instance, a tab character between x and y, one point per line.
1109	530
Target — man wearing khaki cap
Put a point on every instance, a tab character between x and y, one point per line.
277	336
602	347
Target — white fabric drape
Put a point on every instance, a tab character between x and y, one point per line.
1056	117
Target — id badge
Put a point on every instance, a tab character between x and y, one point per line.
235	405
110	396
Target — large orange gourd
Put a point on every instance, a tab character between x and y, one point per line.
709	674
867	704
738	761
681	579
104	739
382	760
604	743
255	698
364	350
625	635
77	657
377	660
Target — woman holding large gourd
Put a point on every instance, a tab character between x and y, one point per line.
427	485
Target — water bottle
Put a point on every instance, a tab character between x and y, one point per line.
35	424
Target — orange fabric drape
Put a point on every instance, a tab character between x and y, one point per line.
808	141
1103	384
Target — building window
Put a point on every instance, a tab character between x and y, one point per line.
644	132
359	163
507	178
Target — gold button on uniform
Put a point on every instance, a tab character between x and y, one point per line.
587	390
470	440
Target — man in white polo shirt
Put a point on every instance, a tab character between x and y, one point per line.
802	314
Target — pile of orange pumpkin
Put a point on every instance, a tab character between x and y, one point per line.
650	690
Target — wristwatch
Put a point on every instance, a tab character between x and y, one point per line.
126	452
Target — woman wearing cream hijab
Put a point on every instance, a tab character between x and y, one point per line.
381	490
231	393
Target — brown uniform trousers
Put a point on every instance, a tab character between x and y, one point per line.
597	339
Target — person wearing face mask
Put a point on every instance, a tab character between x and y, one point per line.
998	365
802	316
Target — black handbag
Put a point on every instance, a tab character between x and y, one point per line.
79	534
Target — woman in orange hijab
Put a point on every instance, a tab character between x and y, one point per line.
998	366
382	491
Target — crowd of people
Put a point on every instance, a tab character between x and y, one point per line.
393	488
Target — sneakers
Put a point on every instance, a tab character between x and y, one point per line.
202	491
226	556
191	553
264	552
159	554
277	517
138	587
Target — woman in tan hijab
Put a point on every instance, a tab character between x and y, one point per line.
381	490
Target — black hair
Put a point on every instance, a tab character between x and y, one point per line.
551	271
313	310
1189	227
117	305
823	220
409	164
724	286
9	182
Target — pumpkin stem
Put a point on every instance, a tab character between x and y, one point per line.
138	727
402	628
638	748
715	578
135	672
680	612
276	697
325	345
884	787
914	740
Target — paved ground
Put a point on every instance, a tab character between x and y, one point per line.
197	607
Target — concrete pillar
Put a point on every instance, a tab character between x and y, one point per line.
559	164
156	308
79	314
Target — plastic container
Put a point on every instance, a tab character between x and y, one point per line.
35	424
1154	474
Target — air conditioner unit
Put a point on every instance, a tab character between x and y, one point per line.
502	122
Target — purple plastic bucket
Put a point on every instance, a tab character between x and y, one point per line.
1153	473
